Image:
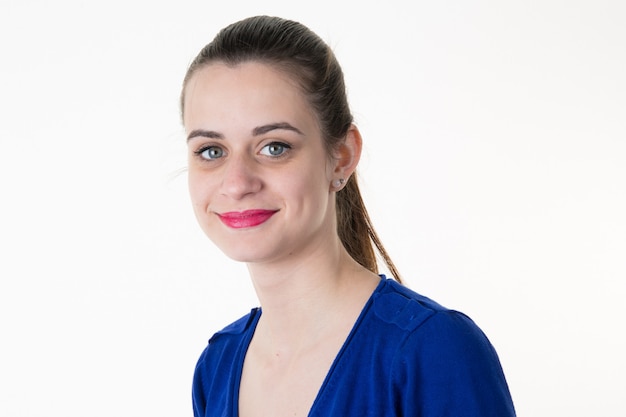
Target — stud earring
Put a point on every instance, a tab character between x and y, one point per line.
338	183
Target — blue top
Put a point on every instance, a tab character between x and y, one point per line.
405	356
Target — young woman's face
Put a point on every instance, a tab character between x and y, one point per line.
259	176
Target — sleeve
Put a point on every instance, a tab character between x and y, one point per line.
448	368
199	388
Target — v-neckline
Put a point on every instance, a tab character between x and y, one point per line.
254	321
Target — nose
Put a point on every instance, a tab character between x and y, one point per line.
240	178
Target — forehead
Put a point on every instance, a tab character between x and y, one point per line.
253	88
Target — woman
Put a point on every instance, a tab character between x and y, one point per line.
272	158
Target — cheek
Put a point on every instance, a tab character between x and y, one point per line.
305	178
199	189
310	186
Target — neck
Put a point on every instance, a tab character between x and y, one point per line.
302	301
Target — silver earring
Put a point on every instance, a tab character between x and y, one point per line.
339	183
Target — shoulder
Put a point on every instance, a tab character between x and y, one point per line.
229	337
396	304
444	358
237	327
427	326
213	375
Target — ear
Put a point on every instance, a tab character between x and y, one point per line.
348	154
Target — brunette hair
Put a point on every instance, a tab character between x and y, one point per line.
295	49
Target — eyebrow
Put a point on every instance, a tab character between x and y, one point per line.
275	126
205	134
259	130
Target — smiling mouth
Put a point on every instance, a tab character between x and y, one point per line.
245	219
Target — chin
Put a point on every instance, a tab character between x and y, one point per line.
240	253
243	246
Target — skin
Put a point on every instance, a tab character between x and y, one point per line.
254	143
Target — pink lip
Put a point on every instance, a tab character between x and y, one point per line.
243	219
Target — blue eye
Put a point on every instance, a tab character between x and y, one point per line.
275	149
211	152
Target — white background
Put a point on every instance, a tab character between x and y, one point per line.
494	171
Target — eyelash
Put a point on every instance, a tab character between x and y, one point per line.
200	151
286	148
